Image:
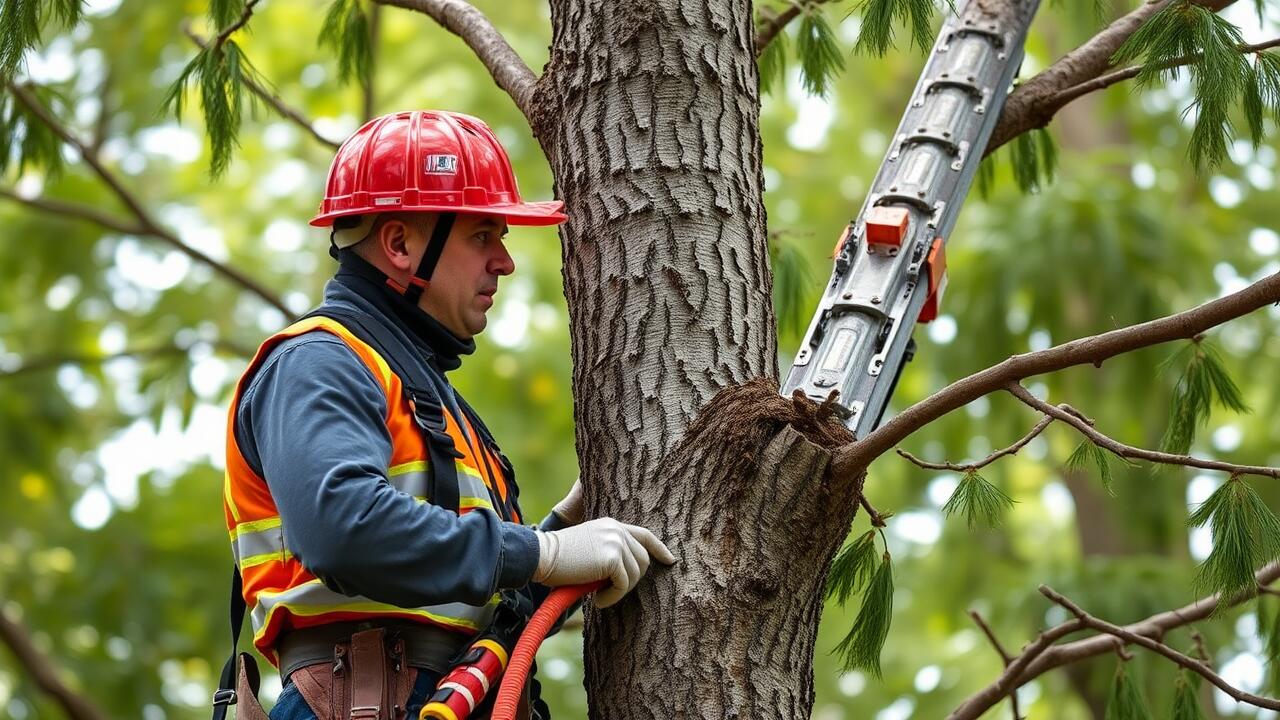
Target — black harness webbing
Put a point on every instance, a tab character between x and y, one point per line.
430	257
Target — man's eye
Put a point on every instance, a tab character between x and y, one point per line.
482	237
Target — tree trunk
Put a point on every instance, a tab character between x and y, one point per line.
649	115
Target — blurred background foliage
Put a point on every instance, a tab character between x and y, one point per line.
118	353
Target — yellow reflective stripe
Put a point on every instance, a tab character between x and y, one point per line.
313	598
411	478
226	496
254	560
254	543
254	526
401	469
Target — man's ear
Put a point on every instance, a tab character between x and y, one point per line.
393	240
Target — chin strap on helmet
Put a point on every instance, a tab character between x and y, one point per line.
430	258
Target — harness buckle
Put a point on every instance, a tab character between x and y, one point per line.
224	696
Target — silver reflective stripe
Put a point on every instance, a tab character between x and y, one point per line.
313	598
261	546
414	482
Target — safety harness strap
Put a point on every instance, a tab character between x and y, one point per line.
225	696
428	408
430	257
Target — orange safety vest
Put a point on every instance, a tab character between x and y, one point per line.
280	593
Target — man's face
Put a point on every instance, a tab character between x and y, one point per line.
466	278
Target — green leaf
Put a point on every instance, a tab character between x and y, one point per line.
853	567
1246	534
1125	702
1204	380
225	12
346	31
1186	704
978	500
861	648
792	281
773	62
819	54
21	25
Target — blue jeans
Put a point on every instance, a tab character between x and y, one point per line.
291	706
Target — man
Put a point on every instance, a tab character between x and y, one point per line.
373	518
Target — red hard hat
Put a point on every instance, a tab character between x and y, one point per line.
427	161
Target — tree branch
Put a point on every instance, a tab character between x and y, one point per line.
151	227
970	467
233	27
76	706
1058	101
775	23
1128	451
509	71
1160	648
1092	350
83	212
269	97
44	363
1004	656
1020	673
1031	104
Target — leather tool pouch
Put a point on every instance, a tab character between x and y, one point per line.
367	680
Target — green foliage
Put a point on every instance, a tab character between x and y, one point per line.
346	31
861	648
986	176
1246	534
792	283
852	568
879	16
1204	380
773	63
1034	159
1269	627
1219	72
978	500
1087	451
26	141
223	13
219	74
1261	92
21	22
1186	703
820	56
1124	701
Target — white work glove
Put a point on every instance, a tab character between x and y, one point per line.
570	509
600	549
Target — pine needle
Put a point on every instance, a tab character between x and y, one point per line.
1125	702
773	63
978	500
224	12
1186	704
1079	457
861	648
1269	627
820	58
25	139
346	31
986	178
21	25
879	17
1204	381
791	282
1103	460
1246	535
852	568
1034	159
219	74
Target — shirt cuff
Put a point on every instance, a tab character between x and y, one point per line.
552	522
519	556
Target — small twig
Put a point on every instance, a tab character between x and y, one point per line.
1267	590
42	363
1128	451
1202	652
1104	81
970	467
270	98
76	707
82	212
877	520
1160	648
131	201
1005	657
233	27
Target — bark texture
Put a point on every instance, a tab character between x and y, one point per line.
648	112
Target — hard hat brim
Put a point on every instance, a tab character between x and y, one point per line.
531	214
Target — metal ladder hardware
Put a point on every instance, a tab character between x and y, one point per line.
889	263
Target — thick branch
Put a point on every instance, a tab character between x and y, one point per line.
1031	104
1092	350
151	227
76	706
1128	451
1160	648
978	465
1020	673
270	98
462	19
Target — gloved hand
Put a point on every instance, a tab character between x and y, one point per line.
570	509
600	549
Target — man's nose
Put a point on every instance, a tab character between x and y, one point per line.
502	263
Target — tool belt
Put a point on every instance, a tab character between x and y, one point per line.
363	677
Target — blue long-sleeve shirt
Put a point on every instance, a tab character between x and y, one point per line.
311	422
